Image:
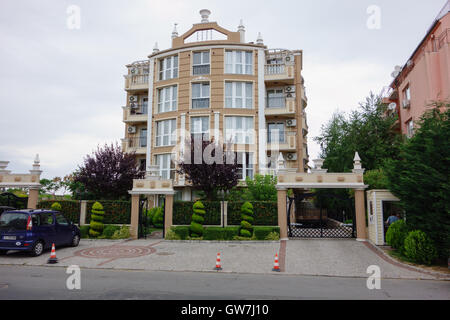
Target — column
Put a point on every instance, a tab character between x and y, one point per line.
262	135
168	212
282	218
83	210
33	197
134	216
360	210
151	77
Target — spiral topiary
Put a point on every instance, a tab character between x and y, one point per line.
247	220
97	216
196	228
56	206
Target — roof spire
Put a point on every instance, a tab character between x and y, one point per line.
205	15
155	48
260	39
175	32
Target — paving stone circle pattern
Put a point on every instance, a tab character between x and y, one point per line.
115	252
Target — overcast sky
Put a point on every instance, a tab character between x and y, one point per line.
62	89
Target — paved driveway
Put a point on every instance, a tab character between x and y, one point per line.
346	258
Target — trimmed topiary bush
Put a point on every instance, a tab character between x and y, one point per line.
97	216
197	220
420	248
56	206
247	220
396	234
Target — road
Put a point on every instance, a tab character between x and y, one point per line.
25	282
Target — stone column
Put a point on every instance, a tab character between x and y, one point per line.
134	216
282	218
168	212
33	197
83	210
360	210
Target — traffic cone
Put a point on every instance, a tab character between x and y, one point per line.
218	265
276	265
53	258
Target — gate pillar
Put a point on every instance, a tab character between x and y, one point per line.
168	212
360	210
134	216
282	213
33	196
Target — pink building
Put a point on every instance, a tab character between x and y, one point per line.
425	77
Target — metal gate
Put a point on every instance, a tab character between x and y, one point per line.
9	199
143	218
317	222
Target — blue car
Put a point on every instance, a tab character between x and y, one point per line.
36	230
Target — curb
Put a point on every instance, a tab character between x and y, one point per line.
217	241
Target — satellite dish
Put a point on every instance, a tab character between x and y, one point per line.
392	106
395	74
398	68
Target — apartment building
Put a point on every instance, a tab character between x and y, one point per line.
213	83
424	78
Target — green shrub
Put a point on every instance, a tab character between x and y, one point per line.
122	233
70	208
230	233
396	234
171	235
420	248
273	236
116	212
247	219
84	230
265	213
197	220
109	230
56	206
182	232
158	218
150	214
261	233
214	233
182	213
376	179
96	224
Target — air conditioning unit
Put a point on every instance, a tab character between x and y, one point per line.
291	123
291	157
289	89
131	129
289	59
134	71
133	99
406	104
134	105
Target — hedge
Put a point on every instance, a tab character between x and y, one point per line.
265	213
218	233
69	208
261	233
182	213
116	212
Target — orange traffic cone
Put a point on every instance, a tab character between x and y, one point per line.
218	265
276	265
53	258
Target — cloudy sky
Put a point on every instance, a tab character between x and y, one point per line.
62	89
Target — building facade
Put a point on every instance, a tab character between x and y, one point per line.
213	83
425	78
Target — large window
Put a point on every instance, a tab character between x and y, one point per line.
143	138
200	95
275	98
245	165
200	128
238	62
167	99
239	130
166	166
275	132
239	95
201	64
166	133
168	68
409	129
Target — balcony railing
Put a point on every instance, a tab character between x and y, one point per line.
200	103
139	81
136	143
201	69
275	102
138	109
275	69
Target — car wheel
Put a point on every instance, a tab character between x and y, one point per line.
38	248
75	240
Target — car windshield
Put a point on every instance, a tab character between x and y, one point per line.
13	220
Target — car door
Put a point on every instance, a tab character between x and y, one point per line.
46	228
63	229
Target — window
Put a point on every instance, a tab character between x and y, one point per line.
201	63
167	99
166	133
200	127
239	130
61	220
168	68
239	62
245	165
200	95
275	132
145	105
407	94
143	138
142	164
409	129
166	166
239	95
46	219
275	98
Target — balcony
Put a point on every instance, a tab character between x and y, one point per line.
136	82
279	72
200	103
280	106
287	143
137	145
201	69
136	113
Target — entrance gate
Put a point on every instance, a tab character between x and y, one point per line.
318	222
8	199
143	218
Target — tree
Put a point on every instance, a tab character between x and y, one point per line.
420	177
97	215
262	188
209	168
108	174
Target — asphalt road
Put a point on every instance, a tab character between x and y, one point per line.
23	282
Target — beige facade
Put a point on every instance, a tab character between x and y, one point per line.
212	81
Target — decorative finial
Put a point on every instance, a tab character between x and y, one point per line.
175	32
260	39
357	167
205	15
155	48
318	163
241	26
36	166
280	162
